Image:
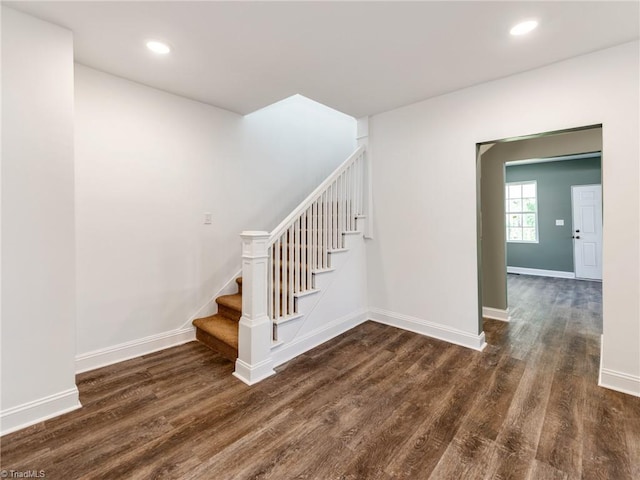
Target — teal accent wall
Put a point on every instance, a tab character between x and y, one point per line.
555	248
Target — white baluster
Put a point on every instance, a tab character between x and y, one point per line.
292	268
309	250
338	211
341	204
330	218
329	221
347	198
314	235
277	267
285	273
339	183
303	252
270	283
358	175
295	266
354	197
360	184
334	216
325	230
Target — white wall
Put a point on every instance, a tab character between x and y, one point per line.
422	263
149	164
38	262
290	147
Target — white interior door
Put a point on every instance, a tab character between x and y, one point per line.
587	231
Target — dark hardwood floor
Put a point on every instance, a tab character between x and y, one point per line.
375	403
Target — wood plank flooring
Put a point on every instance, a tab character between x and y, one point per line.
374	403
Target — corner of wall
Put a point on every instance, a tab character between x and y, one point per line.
36	411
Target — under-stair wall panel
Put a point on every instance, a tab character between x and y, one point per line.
340	304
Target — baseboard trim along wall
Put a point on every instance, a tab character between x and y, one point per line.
30	413
495	314
541	273
128	350
621	382
252	374
618	381
316	337
153	343
429	329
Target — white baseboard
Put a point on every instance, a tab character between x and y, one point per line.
618	381
621	382
252	374
143	346
430	329
316	337
541	273
125	351
30	413
496	313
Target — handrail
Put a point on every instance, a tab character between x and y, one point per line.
312	197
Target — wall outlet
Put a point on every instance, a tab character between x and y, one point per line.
559	223
207	218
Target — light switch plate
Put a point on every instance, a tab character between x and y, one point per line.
207	218
559	223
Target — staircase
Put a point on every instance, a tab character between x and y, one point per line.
219	332
285	273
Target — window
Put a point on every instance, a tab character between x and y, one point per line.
522	212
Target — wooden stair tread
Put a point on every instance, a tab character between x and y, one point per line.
220	331
220	327
234	302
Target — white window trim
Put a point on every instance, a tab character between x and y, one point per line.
506	227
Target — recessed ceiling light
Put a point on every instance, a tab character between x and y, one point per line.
158	47
524	27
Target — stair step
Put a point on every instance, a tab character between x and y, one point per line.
218	333
288	318
320	271
308	291
309	246
230	306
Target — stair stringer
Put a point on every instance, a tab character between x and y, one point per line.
341	304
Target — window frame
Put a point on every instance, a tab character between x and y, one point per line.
521	212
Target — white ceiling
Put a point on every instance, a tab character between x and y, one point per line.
360	58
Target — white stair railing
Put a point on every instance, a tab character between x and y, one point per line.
301	243
295	249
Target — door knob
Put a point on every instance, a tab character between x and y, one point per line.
577	237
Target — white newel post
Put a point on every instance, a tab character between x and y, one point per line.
254	361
